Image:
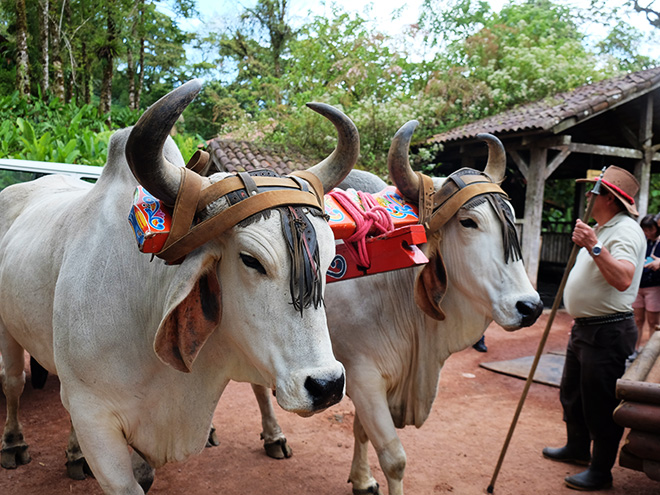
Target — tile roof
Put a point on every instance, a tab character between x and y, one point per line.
569	108
228	155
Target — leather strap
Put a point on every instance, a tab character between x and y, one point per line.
198	161
231	184
216	225
425	202
263	192
437	208
250	185
315	182
449	208
185	207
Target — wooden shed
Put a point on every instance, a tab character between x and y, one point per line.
611	122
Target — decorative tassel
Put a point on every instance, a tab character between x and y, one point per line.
305	282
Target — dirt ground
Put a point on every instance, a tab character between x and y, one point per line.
455	452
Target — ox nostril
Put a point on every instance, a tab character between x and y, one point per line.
530	311
325	393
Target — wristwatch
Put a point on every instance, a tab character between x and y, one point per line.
598	247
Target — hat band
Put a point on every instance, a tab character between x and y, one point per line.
620	191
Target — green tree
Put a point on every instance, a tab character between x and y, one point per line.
492	61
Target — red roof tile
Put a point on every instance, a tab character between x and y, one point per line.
238	156
545	114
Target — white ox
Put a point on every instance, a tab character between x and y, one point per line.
144	350
392	350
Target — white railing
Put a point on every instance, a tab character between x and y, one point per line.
82	171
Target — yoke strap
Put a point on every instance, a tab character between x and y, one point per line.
185	236
437	208
449	208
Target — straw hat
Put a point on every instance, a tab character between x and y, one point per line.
622	184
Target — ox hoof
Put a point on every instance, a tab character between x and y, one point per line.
78	469
12	457
278	449
213	440
372	490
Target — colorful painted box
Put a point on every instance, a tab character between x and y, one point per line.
151	221
392	251
344	226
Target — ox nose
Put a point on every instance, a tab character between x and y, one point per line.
530	311
325	393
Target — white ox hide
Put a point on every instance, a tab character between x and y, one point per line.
392	350
144	350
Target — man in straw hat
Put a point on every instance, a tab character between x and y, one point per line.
599	294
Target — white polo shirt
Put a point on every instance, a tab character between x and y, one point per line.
587	293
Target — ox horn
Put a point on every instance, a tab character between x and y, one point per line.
144	148
496	165
398	163
334	169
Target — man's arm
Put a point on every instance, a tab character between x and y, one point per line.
618	273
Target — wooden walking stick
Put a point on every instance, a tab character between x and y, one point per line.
544	337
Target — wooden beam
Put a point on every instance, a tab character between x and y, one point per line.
522	166
630	136
599	149
556	161
549	142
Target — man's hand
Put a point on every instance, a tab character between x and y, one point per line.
584	236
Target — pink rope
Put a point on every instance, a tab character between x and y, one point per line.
370	215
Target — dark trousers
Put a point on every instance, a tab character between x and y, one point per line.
595	358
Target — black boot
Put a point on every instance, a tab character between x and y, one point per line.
590	480
567	454
576	450
599	474
480	345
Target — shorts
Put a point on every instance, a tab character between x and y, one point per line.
648	298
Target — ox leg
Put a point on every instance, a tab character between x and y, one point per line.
105	448
212	440
78	469
274	440
14	449
142	470
371	408
361	478
76	465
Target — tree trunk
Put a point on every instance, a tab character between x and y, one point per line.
86	71
130	75
43	32
140	67
85	66
140	81
107	57
70	82
58	73
22	60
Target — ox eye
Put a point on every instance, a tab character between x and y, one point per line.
252	262
468	223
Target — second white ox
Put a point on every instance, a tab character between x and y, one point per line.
143	350
392	350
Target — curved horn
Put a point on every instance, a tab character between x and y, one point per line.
333	169
144	148
398	163
496	165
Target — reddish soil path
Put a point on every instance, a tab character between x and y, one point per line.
455	452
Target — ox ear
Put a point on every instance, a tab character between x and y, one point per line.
431	286
194	311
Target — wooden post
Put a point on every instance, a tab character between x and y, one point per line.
643	167
531	240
